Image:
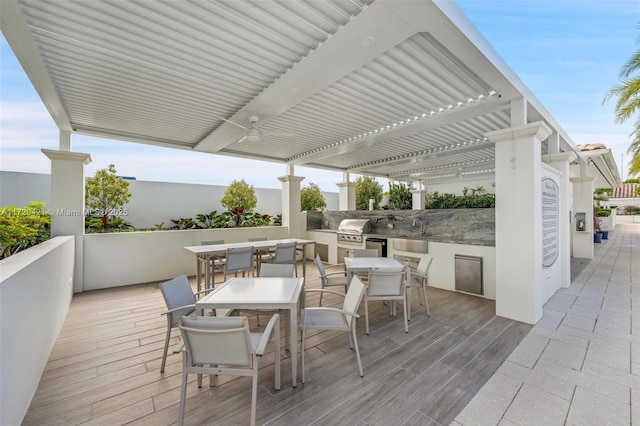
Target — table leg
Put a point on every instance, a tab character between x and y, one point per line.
293	342
198	273
207	272
304	261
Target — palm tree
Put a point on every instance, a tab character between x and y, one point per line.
628	105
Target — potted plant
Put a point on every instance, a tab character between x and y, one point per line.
597	232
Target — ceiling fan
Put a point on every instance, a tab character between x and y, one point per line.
254	134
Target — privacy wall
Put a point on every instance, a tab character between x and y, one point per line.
151	203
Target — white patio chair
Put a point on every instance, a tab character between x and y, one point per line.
330	279
261	253
238	259
326	318
285	254
215	263
420	279
386	285
216	345
180	300
365	253
273	270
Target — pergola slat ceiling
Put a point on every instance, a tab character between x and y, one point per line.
354	86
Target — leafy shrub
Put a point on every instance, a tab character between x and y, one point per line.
476	198
105	196
400	196
367	188
23	227
239	195
311	198
96	224
603	212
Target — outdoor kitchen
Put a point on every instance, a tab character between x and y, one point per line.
451	236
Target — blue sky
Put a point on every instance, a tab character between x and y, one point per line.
568	53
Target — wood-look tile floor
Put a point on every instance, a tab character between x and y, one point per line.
105	367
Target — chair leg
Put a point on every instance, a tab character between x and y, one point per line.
366	316
406	315
426	301
302	349
183	391
166	344
408	296
276	351
355	345
254	391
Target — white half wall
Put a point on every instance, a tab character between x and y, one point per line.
117	259
35	294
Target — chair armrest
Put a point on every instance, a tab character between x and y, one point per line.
343	273
177	309
179	347
318	290
335	265
266	336
336	310
208	290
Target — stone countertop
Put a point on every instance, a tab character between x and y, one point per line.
436	239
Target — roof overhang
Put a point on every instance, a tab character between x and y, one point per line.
601	165
398	89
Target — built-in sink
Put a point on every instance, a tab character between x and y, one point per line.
415	246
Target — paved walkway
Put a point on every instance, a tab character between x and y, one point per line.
580	365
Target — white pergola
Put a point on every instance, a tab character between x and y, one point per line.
406	90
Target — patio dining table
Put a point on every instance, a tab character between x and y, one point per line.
208	252
260	293
365	264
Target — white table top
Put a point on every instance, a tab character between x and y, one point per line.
222	248
371	262
254	292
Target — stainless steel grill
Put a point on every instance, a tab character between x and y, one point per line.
350	230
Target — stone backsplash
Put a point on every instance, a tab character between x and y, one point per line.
461	226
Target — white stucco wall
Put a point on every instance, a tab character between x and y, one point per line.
35	294
117	259
151	202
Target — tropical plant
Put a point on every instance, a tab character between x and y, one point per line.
367	188
311	198
94	224
239	195
400	196
240	219
184	223
205	220
602	212
628	104
106	194
23	227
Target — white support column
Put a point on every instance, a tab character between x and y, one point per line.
65	140
418	199
583	204
519	221
553	144
347	200
291	215
561	162
67	203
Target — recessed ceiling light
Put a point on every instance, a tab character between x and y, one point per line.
368	40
